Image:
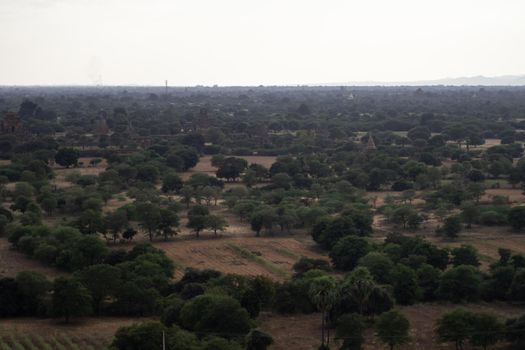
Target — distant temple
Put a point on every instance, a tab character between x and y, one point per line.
11	124
370	144
203	121
102	128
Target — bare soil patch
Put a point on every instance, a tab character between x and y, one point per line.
85	333
514	194
245	255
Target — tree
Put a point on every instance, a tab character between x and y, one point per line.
129	233
70	298
516	217
487	330
347	252
465	255
452	226
91	222
215	314
149	218
379	265
171	183
67	157
187	193
32	287
231	168
428	278
149	335
517	288
115	222
258	340
168	220
350	329
460	283
470	213
455	326
406	290
49	204
198	218
392	328
516	331
101	280
323	295
249	178
216	223
359	286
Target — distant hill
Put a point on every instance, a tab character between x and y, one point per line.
508	80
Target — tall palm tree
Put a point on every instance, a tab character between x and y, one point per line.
323	293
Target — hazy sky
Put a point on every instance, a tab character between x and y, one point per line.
252	42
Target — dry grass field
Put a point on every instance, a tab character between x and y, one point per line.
240	254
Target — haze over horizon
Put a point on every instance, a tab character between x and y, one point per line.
234	42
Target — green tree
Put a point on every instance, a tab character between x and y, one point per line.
171	183
347	252
198	218
487	330
70	298
470	213
169	221
216	223
379	265
428	278
452	226
406	289
67	157
49	204
101	280
350	328
258	340
461	283
516	217
455	326
359	286
215	314
392	328
231	168
115	222
149	218
465	255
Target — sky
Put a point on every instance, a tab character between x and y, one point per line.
257	42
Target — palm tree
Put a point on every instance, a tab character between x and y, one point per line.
359	286
323	293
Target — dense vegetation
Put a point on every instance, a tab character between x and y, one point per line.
333	145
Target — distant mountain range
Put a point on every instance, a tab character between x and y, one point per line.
503	80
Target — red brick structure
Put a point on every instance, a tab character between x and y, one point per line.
11	124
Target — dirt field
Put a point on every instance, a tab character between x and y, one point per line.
87	333
245	255
514	195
